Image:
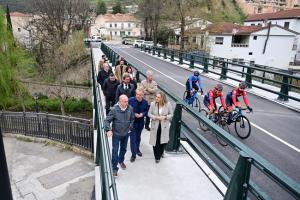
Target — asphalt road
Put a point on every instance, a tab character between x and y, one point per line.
275	128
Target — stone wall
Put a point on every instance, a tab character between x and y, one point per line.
78	92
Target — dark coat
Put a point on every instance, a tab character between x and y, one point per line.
129	92
139	107
110	88
102	76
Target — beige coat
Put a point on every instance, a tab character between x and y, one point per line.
150	89
166	110
118	72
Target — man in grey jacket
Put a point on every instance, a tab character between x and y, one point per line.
121	116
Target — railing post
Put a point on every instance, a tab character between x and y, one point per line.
153	51
248	75
205	65
165	53
180	58
47	125
137	77
175	127
224	70
149	50
158	51
172	55
192	61
25	124
215	62
239	182
241	62
5	189
284	90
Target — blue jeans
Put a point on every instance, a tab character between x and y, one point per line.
118	157
135	137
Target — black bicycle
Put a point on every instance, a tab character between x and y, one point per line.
242	125
219	119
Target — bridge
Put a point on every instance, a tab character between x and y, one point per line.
263	166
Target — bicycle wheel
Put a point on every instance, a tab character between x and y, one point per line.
225	127
203	127
242	127
196	104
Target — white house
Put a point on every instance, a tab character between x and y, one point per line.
270	45
289	19
116	26
22	33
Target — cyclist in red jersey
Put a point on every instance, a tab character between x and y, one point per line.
210	98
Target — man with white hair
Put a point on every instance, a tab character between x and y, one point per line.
121	116
150	89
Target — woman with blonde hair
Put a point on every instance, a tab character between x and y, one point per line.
160	113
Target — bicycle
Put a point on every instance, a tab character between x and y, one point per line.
219	119
193	101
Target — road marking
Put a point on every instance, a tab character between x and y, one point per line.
256	126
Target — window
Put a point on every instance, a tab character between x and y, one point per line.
250	53
136	25
255	37
219	40
194	39
252	24
286	25
259	10
110	33
129	25
110	25
115	25
129	33
19	29
122	26
116	32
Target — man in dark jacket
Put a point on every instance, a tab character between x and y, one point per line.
140	110
103	74
121	116
125	87
109	88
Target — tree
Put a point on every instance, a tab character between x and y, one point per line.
117	8
164	35
52	25
101	8
150	11
8	19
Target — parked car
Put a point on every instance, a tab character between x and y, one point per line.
138	43
125	41
96	38
148	44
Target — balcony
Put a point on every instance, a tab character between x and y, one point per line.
239	45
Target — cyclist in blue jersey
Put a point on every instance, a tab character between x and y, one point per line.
193	83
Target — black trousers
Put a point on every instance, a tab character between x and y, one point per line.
159	148
147	122
109	102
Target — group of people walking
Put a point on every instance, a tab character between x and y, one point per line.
129	108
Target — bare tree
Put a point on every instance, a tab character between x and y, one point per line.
61	93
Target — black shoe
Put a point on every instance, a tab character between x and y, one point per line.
115	174
157	161
132	159
140	154
147	128
123	166
163	155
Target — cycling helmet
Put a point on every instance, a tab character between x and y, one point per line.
196	73
243	85
219	87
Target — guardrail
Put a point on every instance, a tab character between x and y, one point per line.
70	130
103	156
286	80
237	176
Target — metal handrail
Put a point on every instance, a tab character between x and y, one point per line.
284	181
103	156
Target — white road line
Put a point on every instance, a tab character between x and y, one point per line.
256	126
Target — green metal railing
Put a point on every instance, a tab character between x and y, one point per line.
103	156
284	79
238	180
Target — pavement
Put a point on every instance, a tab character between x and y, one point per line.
275	127
40	171
176	177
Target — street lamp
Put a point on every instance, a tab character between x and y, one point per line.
36	96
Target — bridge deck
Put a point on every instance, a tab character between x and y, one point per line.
177	176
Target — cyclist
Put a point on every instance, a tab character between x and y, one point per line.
193	83
232	98
210	99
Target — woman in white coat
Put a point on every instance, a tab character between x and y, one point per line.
160	113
